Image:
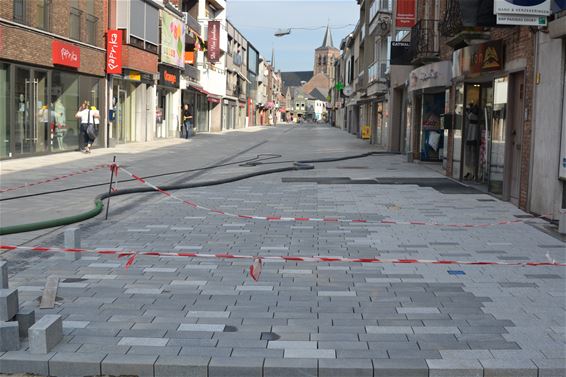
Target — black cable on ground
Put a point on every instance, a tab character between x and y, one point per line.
260	157
98	205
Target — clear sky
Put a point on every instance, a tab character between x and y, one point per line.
258	20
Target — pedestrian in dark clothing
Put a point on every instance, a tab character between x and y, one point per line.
187	121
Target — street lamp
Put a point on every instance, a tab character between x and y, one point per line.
282	32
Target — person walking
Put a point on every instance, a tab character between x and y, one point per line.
86	135
187	121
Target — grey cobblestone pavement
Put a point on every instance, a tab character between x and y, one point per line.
186	316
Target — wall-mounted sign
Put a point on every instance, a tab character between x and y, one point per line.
114	51
347	91
189	57
168	77
133	75
401	53
521	20
172	40
432	75
524	7
475	59
406	14
213	51
65	54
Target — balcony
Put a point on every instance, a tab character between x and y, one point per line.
378	71
191	22
425	43
192	72
465	24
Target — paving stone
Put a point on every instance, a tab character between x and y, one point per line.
25	362
154	342
4	275
550	367
8	303
345	368
389	330
137	365
208	314
45	333
454	368
175	366
25	319
201	327
290	368
235	366
509	368
284	344
309	353
400	368
71	364
9	336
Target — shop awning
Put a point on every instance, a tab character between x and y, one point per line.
207	93
244	77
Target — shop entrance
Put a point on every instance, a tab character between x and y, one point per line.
32	131
516	118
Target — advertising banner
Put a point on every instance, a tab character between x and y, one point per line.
213	51
66	54
406	15
525	7
114	52
172	40
475	59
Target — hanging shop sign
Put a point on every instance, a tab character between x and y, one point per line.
65	54
522	7
189	57
114	52
475	59
401	53
172	40
168	77
432	75
213	51
406	14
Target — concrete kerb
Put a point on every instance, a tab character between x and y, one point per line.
73	364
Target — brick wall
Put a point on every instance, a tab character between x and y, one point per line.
136	58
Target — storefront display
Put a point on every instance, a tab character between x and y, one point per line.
38	107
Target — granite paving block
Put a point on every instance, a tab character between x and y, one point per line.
176	366
9	336
400	368
25	362
235	366
345	368
208	314
290	368
205	351
71	364
3	275
153	342
550	367
45	333
454	368
201	327
285	344
389	330
154	350
137	365
509	368
309	353
8	303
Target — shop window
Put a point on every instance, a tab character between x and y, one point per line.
65	103
75	24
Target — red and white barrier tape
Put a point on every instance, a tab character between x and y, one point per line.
314	219
53	179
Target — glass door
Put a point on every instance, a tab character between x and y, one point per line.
31	131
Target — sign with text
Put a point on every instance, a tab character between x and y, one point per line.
213	51
168	77
65	54
189	57
521	20
525	7
114	52
401	53
406	15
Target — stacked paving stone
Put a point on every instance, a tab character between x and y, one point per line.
19	323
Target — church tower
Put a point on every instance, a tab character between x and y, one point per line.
325	56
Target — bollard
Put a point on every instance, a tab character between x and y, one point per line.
562	221
3	274
72	241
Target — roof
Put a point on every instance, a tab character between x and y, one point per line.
317	94
327	41
295	78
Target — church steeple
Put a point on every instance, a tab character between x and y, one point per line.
327	42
